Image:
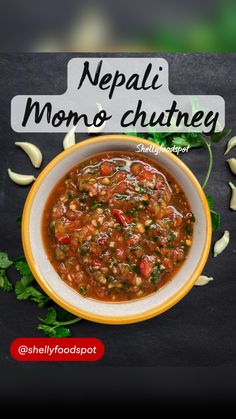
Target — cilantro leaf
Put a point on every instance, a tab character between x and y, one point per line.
24	288
155	276
133	134
96	205
30	293
217	136
5	284
158	138
55	332
180	142
51	317
53	326
121	196
170	139
58	317
54	322
210	201
215	216
63	315
19	220
22	266
4	261
193	140
215	219
23	283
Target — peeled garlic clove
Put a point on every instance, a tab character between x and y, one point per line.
33	152
232	204
20	179
93	129
69	139
221	244
232	165
203	280
231	144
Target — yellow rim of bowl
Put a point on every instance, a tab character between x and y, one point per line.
110	319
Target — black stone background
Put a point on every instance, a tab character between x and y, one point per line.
200	329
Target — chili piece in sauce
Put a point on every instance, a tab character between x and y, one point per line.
117	227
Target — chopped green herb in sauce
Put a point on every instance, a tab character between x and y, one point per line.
114	230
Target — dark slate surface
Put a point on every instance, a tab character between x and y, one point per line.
200	329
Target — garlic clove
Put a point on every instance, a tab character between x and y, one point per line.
93	129
231	144
232	165
19	178
232	204
203	280
221	244
69	139
32	151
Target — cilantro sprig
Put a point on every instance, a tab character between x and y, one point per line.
24	288
5	263
191	140
215	216
56	319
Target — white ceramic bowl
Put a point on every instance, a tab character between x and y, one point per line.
109	312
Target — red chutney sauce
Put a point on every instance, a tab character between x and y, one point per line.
117	227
